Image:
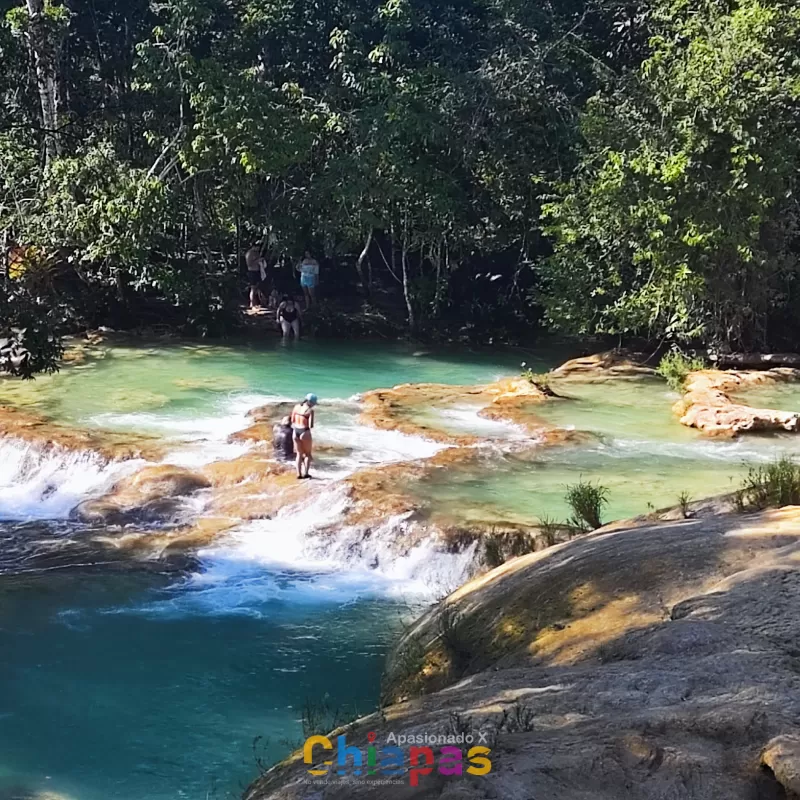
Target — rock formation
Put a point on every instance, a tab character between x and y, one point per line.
707	404
152	494
601	366
399	409
653	662
38	430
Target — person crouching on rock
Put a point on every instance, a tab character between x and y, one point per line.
283	439
302	425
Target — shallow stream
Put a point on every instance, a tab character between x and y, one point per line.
123	679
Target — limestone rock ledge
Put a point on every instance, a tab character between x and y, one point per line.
708	406
398	408
152	494
647	663
602	366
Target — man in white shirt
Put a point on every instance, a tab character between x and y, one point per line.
309	277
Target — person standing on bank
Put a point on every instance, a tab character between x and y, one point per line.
256	272
302	425
289	317
309	277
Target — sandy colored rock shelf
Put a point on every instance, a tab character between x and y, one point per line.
602	366
509	399
708	406
38	430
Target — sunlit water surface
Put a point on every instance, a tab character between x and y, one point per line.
123	682
118	682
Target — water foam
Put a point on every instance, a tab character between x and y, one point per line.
296	557
464	418
39	482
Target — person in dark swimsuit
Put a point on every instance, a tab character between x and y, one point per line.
289	317
283	439
256	265
302	424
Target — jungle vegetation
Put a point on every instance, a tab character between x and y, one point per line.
493	167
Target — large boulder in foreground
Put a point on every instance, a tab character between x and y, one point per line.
654	662
708	404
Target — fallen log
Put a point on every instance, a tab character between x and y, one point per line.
755	360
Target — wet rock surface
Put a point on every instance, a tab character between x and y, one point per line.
38	430
152	494
398	409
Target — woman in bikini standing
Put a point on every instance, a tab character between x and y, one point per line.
302	424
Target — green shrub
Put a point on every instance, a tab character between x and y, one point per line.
493	552
456	638
538	379
771	486
675	366
501	547
320	717
587	501
684	501
520	544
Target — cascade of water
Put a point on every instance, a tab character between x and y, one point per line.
307	555
47	482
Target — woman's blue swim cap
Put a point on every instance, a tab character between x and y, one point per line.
312	399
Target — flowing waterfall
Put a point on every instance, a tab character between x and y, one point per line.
47	482
302	556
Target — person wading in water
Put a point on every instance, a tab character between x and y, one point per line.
302	424
289	317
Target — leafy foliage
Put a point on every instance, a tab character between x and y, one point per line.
771	486
681	219
476	167
675	367
28	343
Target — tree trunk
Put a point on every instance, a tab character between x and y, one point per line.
364	255
45	44
436	257
412	321
202	223
756	360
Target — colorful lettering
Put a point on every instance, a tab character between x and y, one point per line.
343	751
392	761
451	762
308	752
481	765
416	770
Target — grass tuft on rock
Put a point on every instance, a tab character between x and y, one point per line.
587	501
457	638
771	486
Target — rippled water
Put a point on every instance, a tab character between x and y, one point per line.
637	449
124	680
118	680
115	685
